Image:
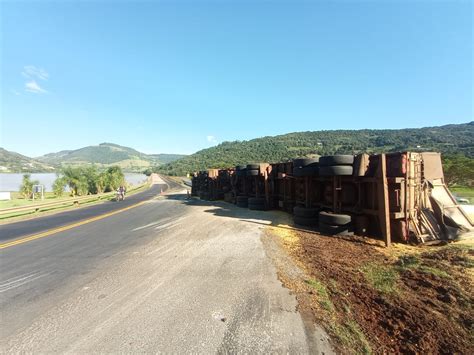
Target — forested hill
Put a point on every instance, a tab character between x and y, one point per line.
448	139
108	154
14	162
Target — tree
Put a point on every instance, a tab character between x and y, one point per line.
58	186
26	188
77	181
458	170
88	180
113	178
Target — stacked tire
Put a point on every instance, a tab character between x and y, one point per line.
242	201
204	195
335	224
307	217
253	169
303	167
336	165
256	203
241	170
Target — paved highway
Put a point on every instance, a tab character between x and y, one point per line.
164	274
15	230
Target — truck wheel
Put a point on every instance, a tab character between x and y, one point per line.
252	172
305	221
241	173
256	201
306	212
256	207
330	160
302	162
334	219
335	230
336	170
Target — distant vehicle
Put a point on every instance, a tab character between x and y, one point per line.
120	196
462	200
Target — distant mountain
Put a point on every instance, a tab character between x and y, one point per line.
11	162
107	154
449	139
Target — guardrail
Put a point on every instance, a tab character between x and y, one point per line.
73	201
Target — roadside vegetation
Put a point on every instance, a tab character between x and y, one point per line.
78	181
371	299
88	180
71	182
61	200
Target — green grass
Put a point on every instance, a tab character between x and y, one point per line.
413	262
19	201
348	332
49	197
463	192
382	278
352	337
322	293
434	271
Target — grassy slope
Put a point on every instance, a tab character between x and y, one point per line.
15	162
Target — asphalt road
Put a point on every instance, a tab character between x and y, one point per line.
166	276
37	225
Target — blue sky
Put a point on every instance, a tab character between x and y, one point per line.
179	76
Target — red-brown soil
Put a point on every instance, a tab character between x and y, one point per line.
429	310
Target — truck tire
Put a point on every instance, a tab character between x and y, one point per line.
336	170
241	173
335	230
256	201
302	162
330	160
305	221
334	219
242	201
310	170
306	212
253	172
256	207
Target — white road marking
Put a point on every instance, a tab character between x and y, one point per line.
20	280
151	224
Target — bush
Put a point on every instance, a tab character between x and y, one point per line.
26	188
58	186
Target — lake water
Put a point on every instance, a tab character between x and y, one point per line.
12	182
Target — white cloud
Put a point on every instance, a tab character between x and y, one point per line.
211	139
32	86
32	72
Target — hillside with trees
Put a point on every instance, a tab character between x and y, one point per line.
451	140
11	162
106	155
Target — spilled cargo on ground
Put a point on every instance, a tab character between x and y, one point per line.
395	196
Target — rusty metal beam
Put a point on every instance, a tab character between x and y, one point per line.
383	202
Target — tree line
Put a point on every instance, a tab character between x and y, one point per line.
79	181
455	142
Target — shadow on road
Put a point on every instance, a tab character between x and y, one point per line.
273	218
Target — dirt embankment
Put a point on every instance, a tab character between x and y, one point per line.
374	300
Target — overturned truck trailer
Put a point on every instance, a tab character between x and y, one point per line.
399	196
